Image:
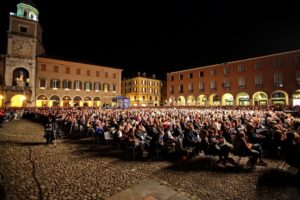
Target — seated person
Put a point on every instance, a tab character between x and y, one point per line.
243	148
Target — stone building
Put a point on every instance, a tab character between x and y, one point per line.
29	78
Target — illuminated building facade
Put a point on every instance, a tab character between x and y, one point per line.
28	78
142	90
266	80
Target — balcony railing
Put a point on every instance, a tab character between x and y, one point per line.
17	88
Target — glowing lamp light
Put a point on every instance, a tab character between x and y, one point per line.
1	97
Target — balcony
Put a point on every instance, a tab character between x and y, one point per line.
16	88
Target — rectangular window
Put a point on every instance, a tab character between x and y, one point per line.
54	84
97	74
190	87
241	67
97	86
43	67
180	76
143	89
201	74
226	84
172	78
213	85
65	84
23	29
78	71
87	86
297	59
150	90
190	75
77	85
172	89
114	87
259	81
55	69
276	63
88	72
156	90
135	89
258	66
213	72
114	75
278	79
226	70
201	86
106	74
68	70
42	83
298	77
241	82
180	88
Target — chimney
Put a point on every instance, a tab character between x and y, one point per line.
153	76
144	74
139	73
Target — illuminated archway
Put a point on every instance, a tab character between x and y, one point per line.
227	99
97	102
214	100
260	99
181	101
78	101
201	100
18	101
172	101
296	98
1	100
280	97
243	99
87	101
41	101
191	100
66	101
54	101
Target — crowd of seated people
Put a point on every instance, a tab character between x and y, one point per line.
251	132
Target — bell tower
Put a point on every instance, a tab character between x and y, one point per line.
24	44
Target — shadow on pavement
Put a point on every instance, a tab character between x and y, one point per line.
205	164
277	178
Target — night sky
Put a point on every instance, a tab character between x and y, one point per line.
162	36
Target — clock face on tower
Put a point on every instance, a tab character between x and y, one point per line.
22	48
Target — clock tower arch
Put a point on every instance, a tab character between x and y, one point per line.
24	44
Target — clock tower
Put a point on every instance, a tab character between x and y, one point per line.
23	46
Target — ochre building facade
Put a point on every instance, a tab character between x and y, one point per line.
143	91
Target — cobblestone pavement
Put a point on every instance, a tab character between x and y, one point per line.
78	169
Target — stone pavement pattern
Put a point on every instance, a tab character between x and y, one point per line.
80	170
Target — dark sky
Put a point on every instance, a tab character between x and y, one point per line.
162	36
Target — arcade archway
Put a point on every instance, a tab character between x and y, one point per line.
181	101
227	99
214	100
97	102
243	99
279	98
18	101
54	101
41	101
201	100
191	101
78	101
87	101
260	99
66	101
